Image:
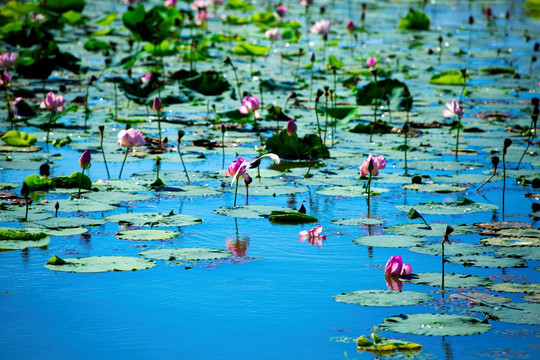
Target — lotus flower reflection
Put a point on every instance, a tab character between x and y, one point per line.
313	236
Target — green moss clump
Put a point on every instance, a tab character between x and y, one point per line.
21	235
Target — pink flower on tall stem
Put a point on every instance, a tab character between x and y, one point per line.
250	105
7	60
396	267
53	103
235	167
146	77
371	62
84	160
201	18
379	163
306	2
130	138
453	109
281	10
272	34
321	27
350	26
313	236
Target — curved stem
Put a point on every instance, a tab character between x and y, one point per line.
183	164
105	160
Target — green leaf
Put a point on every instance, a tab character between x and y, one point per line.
414	20
17	9
436	324
154	219
384	89
395	241
334	63
382	298
451	207
350	191
208	83
186	254
239	5
147	235
72	17
247	49
96	45
290	217
291	147
451	249
250	211
486	261
435	188
62	6
451	280
449	77
108	19
263	19
97	264
16	138
514	313
236	20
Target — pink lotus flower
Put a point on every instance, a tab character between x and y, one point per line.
146	77
199	4
350	26
379	162
240	166
130	138
371	62
201	18
7	60
281	10
453	109
321	27
272	34
53	103
396	267
130	2
84	160
291	127
250	105
38	18
170	3
157	105
5	79
235	167
306	2
313	236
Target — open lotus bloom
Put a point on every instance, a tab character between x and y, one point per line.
379	162
250	105
272	34
130	138
313	236
53	102
240	166
321	27
453	109
7	60
396	267
144	79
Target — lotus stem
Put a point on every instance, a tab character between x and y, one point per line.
123	163
368	194
457	137
159	125
183	164
80	183
105	160
529	141
115	102
49	129
26	213
236	191
504	181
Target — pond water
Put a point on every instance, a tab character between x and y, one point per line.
274	296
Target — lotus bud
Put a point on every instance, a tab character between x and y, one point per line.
495	162
84	160
247	179
536	47
56	207
101	130
302	209
181	134
45	170
291	128
471	20
463	73
413	214
312	58
24	190
507	143
157	105
228	61
157	160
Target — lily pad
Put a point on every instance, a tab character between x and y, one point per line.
154	219
20	239
78	205
436	324
534	298
431	230
186	254
147	235
449	77
511	241
395	241
486	261
117	197
481	297
291	217
449	208
250	211
96	264
529	253
451	249
451	280
435	188
514	313
515	287
189	190
350	191
382	298
358	221
439	165
68	222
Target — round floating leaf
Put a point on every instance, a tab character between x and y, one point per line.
451	280
147	235
439	165
529	253
190	190
186	254
18	215
486	261
451	249
449	208
395	241
8	185
69	222
514	313
117	197
95	264
250	211
534	298
515	288
511	241
358	221
436	324
382	298
61	232
481	298
120	185
78	205
349	191
274	190
154	219
431	230
435	188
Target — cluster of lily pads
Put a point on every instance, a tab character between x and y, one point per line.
357	112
